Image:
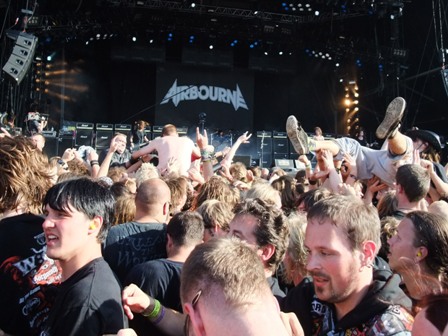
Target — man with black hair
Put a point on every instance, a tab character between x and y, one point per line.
412	187
78	217
160	278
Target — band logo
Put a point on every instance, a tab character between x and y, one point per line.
205	92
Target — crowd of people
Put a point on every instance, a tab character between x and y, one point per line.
112	244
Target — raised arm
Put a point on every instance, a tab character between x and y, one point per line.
104	168
206	153
244	138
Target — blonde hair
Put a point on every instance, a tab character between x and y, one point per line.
296	247
216	213
265	192
124	210
145	172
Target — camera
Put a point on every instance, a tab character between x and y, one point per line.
35	116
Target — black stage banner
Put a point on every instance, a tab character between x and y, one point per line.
190	96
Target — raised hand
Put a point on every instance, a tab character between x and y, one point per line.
244	137
350	162
92	156
134	300
201	139
4	133
327	157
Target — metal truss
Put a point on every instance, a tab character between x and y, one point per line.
181	6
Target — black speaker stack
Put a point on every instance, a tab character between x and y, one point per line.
84	134
103	136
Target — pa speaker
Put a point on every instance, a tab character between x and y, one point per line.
123	128
51	146
83	137
182	131
84	134
21	58
281	156
104	134
64	143
156	131
103	139
280	143
264	142
266	161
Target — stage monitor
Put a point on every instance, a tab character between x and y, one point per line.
284	163
299	165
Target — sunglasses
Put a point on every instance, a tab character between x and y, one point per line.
62	164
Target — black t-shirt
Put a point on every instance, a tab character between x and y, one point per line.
88	303
27	276
138	137
133	243
161	280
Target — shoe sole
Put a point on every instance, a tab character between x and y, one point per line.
297	136
394	113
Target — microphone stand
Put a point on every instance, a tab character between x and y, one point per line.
262	150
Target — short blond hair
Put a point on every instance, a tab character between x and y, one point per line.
215	268
216	213
145	172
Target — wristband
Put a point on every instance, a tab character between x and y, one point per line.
160	317
206	155
354	177
155	311
94	162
